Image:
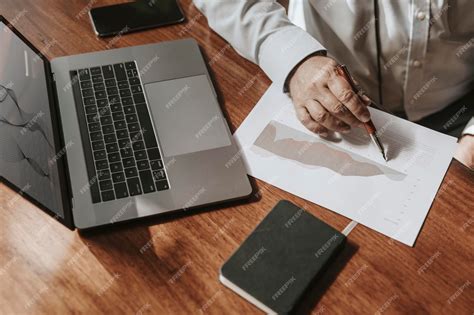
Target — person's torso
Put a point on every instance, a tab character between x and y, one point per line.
425	49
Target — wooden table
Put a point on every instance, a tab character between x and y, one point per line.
48	269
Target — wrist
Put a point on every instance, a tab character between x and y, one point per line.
286	86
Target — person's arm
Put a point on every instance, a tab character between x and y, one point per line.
262	33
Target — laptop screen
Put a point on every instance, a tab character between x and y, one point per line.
27	151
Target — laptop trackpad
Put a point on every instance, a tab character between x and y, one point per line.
187	116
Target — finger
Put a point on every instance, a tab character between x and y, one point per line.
344	93
305	118
329	101
323	117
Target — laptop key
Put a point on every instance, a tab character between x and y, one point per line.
108	195
105	184
123	85
94	127
111	147
127	101
127	152
137	136
139	98
118	177
122	133
101	165
116	108
84	74
125	93
92	118
132	73
108	72
96	71
159	175
110	138
99	86
107	128
120	124
104	111
110	83
154	154
121	190
120	72
124	143
128	162
161	185
129	109
99	155
134	81
97	78
103	174
114	99
89	101
98	145
112	91
114	157
131	172
136	89
107	123
143	165
130	65
100	94
90	110
116	167
147	181
95	136
134	127
117	116
131	118
145	122
140	155
138	145
102	103
156	165
87	93
86	84
134	186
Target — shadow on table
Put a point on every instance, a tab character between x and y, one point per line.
129	248
323	282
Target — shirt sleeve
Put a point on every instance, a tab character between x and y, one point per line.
261	32
469	130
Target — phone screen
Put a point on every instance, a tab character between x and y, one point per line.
133	16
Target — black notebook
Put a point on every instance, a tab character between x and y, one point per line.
279	260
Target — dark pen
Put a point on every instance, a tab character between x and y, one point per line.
369	126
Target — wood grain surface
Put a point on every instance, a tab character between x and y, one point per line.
170	265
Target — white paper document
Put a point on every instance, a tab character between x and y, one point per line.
347	174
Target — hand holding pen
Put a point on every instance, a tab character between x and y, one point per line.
369	126
324	101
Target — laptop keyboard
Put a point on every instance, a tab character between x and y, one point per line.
120	147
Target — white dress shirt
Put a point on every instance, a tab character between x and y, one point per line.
424	60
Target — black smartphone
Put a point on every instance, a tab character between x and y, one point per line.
134	16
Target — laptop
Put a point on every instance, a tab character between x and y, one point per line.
105	137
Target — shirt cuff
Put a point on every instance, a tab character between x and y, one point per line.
469	130
283	50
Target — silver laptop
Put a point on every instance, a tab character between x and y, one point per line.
110	136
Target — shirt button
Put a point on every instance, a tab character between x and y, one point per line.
416	63
420	15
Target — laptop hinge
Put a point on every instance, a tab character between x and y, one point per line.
62	153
